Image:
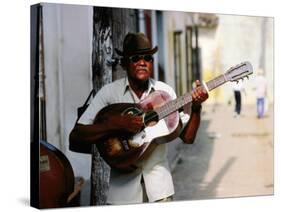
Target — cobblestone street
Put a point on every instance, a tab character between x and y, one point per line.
231	157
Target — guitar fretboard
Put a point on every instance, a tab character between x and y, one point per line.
216	82
178	103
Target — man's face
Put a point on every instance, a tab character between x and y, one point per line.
140	67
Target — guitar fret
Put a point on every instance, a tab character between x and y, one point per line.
173	105
185	99
176	104
216	82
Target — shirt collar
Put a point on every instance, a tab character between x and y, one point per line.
151	85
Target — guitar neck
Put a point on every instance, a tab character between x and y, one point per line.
216	82
178	103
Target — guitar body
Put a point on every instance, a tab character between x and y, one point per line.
122	150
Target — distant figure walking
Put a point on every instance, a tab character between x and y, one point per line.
261	91
237	88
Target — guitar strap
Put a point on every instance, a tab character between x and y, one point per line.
82	147
81	110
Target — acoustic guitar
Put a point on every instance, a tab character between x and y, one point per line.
122	150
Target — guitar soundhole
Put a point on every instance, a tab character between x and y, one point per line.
133	111
150	118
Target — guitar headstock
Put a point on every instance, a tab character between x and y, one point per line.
239	71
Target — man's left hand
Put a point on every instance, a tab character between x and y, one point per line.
199	94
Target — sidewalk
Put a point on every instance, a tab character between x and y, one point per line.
231	157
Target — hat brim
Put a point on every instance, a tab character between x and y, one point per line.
142	51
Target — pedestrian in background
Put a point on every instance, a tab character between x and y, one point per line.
237	89
261	92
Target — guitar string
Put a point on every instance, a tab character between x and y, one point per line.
165	109
187	97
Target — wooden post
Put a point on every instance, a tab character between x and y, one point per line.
109	28
102	74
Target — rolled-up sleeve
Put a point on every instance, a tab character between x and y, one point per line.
98	102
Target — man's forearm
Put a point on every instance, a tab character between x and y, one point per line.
89	133
188	134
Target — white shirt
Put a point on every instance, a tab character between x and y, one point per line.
126	188
237	86
260	85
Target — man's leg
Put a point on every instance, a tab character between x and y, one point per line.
237	96
260	107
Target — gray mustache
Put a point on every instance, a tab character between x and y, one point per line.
142	68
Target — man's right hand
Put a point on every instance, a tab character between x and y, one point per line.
127	122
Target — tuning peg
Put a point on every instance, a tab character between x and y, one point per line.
247	77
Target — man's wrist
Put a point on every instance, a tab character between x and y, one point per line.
196	108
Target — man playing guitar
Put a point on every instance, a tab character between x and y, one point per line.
152	180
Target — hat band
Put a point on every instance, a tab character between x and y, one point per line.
140	51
